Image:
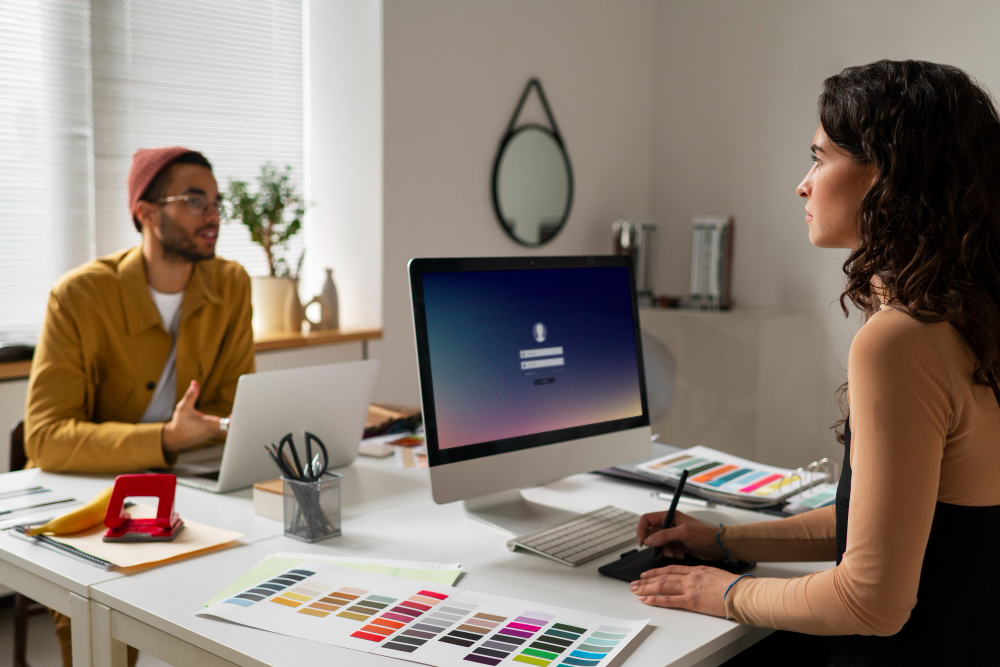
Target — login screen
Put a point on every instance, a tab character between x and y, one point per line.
519	352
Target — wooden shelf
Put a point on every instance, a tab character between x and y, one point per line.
17	370
284	341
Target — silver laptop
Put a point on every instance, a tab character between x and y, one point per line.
330	401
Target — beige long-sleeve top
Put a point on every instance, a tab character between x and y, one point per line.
921	432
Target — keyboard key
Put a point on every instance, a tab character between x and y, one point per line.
583	538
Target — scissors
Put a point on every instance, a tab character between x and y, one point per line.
315	466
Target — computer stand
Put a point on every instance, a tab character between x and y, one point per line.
512	513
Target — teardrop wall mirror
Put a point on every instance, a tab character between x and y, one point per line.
532	177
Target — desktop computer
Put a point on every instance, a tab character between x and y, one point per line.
530	370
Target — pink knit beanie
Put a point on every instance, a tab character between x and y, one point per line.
146	164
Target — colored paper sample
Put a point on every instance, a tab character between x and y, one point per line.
436	573
422	623
730	479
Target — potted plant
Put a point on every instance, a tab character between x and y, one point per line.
273	215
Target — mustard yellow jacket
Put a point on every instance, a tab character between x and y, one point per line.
101	352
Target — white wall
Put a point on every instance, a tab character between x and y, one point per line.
734	115
343	119
453	74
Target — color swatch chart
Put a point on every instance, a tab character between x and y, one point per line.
395	619
724	474
434	625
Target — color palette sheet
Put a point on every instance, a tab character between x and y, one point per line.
432	573
731	479
425	623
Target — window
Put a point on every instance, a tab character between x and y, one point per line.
84	84
46	216
220	77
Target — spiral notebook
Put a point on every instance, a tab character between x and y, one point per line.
55	545
89	545
730	479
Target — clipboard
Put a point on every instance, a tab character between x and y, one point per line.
630	566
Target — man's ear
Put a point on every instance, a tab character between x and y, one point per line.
147	213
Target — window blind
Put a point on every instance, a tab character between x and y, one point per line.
223	77
46	150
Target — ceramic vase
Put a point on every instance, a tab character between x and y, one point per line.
294	311
267	296
331	318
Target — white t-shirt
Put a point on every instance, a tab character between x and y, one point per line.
161	406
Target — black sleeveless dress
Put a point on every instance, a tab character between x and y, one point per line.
956	620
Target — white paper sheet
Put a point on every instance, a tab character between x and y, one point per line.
391	562
429	624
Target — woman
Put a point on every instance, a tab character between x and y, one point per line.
906	175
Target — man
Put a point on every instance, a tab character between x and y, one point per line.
141	350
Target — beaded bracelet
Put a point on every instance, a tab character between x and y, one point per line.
734	583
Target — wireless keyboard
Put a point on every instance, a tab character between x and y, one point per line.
584	538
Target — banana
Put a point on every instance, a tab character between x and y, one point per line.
79	519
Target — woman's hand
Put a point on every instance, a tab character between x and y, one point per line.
686	536
699	589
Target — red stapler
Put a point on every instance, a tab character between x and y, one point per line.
123	528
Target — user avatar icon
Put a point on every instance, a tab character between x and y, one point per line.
539	332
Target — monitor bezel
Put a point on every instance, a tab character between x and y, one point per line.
437	456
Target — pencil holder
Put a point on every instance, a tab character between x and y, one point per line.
312	509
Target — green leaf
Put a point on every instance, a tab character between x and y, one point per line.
273	214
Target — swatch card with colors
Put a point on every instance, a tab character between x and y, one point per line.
478	629
429	624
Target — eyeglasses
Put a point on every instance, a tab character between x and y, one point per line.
198	204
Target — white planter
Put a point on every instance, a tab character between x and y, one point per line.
267	296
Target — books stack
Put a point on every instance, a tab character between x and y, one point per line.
384	418
711	263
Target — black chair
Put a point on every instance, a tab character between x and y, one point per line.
23	607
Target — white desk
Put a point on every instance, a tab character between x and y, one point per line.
64	583
154	610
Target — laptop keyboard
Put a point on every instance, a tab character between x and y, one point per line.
584	538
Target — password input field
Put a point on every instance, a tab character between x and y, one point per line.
542	352
541	363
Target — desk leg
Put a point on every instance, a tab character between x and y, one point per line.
108	651
364	349
82	634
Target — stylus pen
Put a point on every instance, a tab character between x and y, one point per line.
668	520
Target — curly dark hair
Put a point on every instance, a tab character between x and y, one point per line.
929	227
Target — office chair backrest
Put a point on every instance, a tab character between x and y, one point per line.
18	459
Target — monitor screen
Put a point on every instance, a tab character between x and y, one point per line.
520	357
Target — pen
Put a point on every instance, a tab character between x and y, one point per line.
31	507
283	460
23	492
668	520
281	465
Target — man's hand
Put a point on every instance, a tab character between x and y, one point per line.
188	427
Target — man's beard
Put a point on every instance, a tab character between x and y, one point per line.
178	244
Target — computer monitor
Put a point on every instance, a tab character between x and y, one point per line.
530	370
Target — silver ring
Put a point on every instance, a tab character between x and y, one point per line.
224	424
